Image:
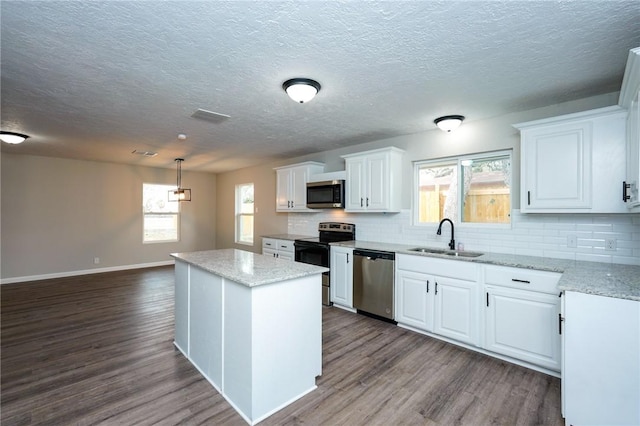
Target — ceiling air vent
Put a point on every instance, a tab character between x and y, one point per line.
144	153
212	117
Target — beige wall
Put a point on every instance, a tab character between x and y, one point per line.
266	220
58	214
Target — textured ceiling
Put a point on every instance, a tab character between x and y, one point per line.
98	79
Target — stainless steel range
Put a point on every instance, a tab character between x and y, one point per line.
316	250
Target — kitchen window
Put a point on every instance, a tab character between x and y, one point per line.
161	218
470	189
244	214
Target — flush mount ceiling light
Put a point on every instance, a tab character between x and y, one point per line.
449	122
12	138
180	193
301	89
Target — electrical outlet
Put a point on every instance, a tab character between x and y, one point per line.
96	260
572	241
610	244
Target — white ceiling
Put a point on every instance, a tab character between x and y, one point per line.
98	79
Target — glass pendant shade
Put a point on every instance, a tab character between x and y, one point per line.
179	194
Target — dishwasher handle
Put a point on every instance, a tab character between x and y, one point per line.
374	254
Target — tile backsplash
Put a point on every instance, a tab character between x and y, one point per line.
544	235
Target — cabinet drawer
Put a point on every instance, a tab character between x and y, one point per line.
524	279
269	243
442	267
285	245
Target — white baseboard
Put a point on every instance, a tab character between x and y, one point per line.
84	272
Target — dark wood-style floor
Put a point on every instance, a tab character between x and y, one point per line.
98	349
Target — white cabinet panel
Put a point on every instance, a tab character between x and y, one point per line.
444	305
282	249
557	166
601	374
181	306
523	325
205	323
341	272
630	99
374	181
456	309
574	163
291	186
414	300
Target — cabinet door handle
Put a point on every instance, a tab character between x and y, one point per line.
292	204
436	293
347	257
427	286
625	186
367	201
528	198
361	204
515	280
560	323
487	299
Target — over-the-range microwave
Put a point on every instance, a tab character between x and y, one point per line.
327	194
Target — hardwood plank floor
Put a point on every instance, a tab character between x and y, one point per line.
98	349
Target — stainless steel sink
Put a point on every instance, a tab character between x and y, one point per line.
446	252
428	250
464	253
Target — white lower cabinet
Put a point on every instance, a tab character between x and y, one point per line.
282	249
522	315
523	325
456	309
517	316
438	296
414	295
601	366
341	274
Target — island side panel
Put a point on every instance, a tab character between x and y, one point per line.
237	368
287	342
181	307
205	321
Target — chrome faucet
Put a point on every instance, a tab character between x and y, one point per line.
452	243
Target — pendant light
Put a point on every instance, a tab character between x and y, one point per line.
301	89
12	137
180	193
449	122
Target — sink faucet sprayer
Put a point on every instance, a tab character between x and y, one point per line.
452	243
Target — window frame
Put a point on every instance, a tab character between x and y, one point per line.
239	215
457	160
165	188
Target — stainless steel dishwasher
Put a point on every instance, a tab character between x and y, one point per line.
373	282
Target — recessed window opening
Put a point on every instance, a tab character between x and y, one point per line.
244	214
474	189
161	218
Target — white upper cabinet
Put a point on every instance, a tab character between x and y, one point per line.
291	186
574	163
374	180
630	99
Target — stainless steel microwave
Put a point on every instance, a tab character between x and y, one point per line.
325	195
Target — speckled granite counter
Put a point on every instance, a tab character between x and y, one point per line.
248	268
604	279
289	237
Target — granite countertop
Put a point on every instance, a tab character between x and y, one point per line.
289	237
248	268
604	279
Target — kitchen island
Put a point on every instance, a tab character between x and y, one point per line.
251	324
